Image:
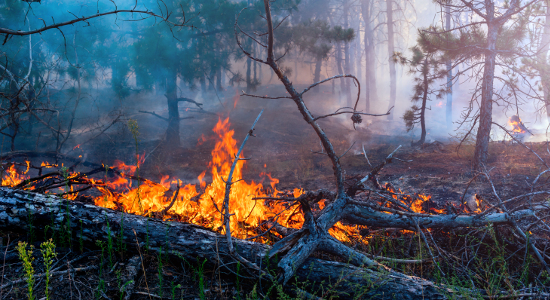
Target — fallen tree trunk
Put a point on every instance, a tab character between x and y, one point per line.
21	211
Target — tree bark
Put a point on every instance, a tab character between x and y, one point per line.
543	64
173	131
196	244
449	105
317	73
486	107
219	84
425	71
338	49
370	78
391	50
347	59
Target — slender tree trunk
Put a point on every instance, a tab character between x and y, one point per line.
249	73
202	80
425	71
317	73
486	107
296	70
211	82
391	50
347	69
338	49
14	118
256	66
219	85
78	95
543	64
370	77
173	131
449	106
357	52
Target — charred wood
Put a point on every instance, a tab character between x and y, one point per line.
196	243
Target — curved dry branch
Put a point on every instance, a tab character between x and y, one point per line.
8	31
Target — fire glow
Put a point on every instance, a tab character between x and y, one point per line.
517	125
202	204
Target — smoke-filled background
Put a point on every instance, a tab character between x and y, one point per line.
176	71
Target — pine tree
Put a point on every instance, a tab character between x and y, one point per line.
427	66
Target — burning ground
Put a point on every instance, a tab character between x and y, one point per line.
187	185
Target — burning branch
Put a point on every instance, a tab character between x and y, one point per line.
226	214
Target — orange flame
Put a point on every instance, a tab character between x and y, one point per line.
248	215
517	125
203	204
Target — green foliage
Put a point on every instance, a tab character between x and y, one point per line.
174	287
469	42
426	65
48	253
109	242
26	257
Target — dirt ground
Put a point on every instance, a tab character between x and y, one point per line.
284	146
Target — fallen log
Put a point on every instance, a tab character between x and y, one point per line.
21	210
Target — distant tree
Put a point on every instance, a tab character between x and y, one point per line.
426	65
369	16
315	39
27	73
539	66
493	38
342	36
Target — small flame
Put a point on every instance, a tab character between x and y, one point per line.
517	125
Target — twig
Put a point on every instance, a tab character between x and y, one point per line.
154	114
428	246
41	275
226	214
264	97
516	226
142	266
148	294
164	211
366	157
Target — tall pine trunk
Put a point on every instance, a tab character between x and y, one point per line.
543	64
391	50
339	66
370	63
173	131
449	106
317	73
347	69
425	71
219	84
486	107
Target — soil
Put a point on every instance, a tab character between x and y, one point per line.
284	146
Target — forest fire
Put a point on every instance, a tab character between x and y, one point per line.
202	204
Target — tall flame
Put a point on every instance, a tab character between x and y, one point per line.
202	204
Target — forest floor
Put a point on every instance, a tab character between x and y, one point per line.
284	148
